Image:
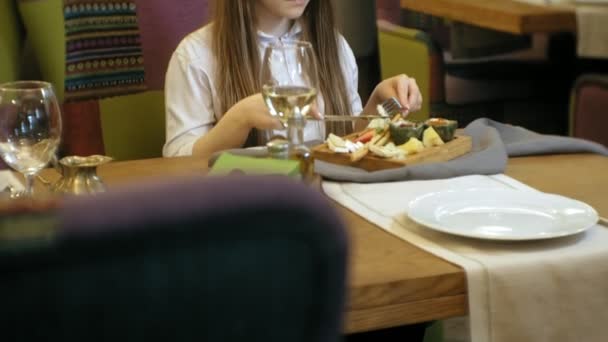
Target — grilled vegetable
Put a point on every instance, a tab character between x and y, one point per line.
403	130
413	146
365	137
445	128
430	138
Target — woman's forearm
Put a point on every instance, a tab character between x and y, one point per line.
234	127
229	132
370	106
369	109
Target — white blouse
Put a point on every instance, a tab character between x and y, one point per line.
191	94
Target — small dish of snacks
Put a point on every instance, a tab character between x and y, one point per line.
395	142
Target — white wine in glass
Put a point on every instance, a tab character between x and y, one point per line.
289	86
30	127
289	102
289	81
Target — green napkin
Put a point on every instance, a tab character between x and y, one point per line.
228	163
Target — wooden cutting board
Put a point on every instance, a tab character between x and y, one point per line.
460	145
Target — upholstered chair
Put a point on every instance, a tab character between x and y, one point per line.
107	59
216	259
414	53
11	45
11	41
358	25
588	115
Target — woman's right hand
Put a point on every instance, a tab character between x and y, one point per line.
234	127
251	112
232	130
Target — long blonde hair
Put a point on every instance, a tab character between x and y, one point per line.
235	47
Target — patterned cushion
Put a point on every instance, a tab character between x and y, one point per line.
113	49
103	49
108	42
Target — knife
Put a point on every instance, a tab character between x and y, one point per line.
352	117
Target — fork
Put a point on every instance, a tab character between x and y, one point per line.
387	109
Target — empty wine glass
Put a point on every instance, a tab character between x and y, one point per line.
30	127
289	86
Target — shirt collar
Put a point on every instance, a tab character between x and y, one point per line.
292	34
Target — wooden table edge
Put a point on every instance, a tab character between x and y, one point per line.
557	19
453	303
387	316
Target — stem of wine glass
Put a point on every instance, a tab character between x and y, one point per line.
295	134
298	150
29	184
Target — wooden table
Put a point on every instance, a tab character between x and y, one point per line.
392	282
502	15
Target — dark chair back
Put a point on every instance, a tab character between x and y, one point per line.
589	117
224	259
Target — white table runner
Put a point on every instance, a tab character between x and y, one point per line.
553	290
592	25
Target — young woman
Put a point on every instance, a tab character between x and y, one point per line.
212	89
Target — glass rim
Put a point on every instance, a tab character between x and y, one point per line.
25	85
290	44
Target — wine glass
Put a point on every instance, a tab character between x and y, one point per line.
289	87
30	127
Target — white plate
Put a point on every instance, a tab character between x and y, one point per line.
502	214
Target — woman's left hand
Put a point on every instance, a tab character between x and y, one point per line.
403	88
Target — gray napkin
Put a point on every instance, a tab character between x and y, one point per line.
493	143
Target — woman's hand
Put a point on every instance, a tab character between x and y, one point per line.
234	127
401	87
251	112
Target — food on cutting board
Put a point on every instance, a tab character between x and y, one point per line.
378	125
445	128
403	130
339	145
431	138
412	146
394	138
388	151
